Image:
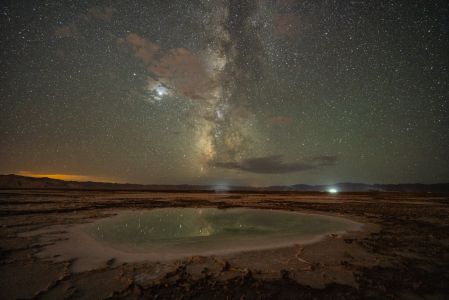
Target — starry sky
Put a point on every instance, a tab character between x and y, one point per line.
226	92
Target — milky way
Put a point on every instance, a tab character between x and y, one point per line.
226	91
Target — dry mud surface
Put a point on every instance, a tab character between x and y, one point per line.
401	253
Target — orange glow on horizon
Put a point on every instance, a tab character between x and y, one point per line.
66	177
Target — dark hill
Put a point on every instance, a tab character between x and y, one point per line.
23	182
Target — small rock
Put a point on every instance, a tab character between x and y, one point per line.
136	290
226	266
247	274
285	274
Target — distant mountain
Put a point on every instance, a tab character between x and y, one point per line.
17	181
13	181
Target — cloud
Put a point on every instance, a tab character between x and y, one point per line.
184	71
324	160
289	20
178	68
281	120
273	164
286	24
143	49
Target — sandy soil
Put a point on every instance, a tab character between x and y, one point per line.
402	253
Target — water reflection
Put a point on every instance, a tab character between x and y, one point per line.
201	230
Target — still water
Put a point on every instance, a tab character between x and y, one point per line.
210	230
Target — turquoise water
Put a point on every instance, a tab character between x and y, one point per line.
211	230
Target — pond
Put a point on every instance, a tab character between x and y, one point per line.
177	232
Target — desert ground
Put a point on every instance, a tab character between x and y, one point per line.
402	251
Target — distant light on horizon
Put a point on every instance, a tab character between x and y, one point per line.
221	187
332	191
66	177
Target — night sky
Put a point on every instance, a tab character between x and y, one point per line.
226	92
